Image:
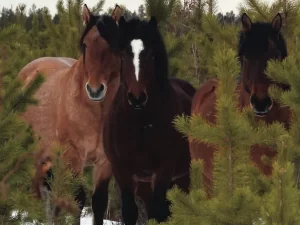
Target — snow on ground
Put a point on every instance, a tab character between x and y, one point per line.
85	220
88	220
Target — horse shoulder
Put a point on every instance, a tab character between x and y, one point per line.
204	100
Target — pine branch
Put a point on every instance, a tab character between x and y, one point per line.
25	97
258	7
3	186
11	34
98	7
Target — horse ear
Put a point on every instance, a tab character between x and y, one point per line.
246	22
86	15
153	22
277	22
116	14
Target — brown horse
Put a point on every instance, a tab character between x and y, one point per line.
72	105
139	137
258	43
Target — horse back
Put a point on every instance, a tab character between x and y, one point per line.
183	95
204	105
43	118
204	101
45	65
184	85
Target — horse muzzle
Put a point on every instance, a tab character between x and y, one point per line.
96	94
261	107
138	103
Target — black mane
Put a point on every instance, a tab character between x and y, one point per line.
88	27
107	28
149	33
256	42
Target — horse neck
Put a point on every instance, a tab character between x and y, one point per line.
161	98
111	95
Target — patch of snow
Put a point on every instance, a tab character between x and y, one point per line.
84	220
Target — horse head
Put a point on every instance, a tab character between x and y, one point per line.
100	57
260	42
144	64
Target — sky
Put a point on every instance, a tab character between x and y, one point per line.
223	5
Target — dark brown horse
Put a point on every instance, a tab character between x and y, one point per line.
72	105
258	43
139	137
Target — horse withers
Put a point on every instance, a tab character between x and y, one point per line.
258	43
139	138
72	105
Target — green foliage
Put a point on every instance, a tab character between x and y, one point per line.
200	45
161	9
17	147
261	11
232	200
281	203
13	33
236	196
24	39
17	143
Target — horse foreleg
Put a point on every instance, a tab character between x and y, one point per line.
160	205
102	175
75	164
80	198
144	192
129	208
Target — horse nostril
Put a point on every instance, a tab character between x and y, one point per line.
261	106
101	88
88	88
143	98
137	102
96	94
131	98
95	90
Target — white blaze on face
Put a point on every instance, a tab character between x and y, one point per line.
137	46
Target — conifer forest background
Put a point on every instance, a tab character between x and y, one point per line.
202	44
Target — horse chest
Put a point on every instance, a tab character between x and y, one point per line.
142	146
79	126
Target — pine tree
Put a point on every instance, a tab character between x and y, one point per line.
190	37
160	9
236	196
68	29
233	200
141	11
16	139
17	151
18	145
261	11
241	195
